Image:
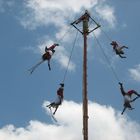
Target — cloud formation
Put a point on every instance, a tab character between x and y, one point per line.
135	73
104	123
106	13
58	14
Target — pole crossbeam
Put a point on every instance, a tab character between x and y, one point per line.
86	16
85	32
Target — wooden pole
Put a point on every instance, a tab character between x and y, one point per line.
85	98
85	20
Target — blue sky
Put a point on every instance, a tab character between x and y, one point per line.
27	27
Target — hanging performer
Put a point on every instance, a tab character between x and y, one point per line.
49	52
118	50
128	97
46	56
58	100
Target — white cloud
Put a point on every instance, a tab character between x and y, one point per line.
58	12
62	57
135	73
104	123
106	12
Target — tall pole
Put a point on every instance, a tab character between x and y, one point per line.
85	20
85	98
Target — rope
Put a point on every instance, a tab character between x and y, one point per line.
63	36
107	36
107	59
70	57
